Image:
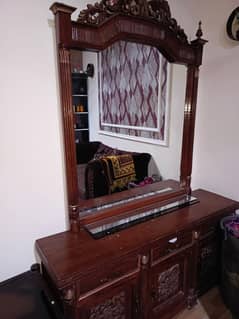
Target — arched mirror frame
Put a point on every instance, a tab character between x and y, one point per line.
101	25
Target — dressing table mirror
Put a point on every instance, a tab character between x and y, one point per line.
99	27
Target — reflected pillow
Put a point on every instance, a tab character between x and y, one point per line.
105	150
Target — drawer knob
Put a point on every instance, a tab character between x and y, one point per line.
196	235
68	295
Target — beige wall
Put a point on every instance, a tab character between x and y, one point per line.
32	193
216	152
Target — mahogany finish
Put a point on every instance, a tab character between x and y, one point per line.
102	24
148	271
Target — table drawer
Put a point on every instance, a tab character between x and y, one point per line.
207	229
107	274
170	245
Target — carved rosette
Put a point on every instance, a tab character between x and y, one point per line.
112	308
168	283
208	260
156	10
206	252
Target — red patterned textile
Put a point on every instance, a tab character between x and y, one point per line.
133	90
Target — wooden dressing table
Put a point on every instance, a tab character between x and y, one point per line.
154	268
151	270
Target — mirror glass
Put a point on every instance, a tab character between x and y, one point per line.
164	158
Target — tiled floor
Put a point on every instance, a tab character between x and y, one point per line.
209	306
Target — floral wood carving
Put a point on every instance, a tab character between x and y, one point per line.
113	308
155	10
168	283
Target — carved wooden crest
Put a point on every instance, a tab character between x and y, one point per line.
154	10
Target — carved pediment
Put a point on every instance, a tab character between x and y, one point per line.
154	10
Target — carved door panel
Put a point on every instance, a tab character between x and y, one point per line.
169	284
208	269
119	301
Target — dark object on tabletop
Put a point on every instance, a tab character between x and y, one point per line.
22	297
230	263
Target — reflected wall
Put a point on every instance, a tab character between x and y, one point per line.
165	159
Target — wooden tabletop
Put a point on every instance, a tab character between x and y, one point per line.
67	255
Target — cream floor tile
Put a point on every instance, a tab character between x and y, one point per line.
209	306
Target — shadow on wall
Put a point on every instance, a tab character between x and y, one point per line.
153	170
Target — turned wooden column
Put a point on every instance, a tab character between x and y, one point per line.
144	287
63	37
189	124
190	111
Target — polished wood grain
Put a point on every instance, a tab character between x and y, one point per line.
67	254
99	26
188	129
155	263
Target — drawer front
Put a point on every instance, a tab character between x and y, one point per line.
212	225
169	245
108	274
208	228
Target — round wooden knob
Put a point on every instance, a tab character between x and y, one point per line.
68	295
196	235
144	259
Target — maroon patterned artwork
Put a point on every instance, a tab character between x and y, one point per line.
133	91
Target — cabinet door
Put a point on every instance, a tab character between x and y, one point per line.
119	301
208	265
169	284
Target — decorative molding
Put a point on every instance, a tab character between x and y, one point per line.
69	134
155	10
199	32
60	7
136	21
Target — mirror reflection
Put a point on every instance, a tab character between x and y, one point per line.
127	152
